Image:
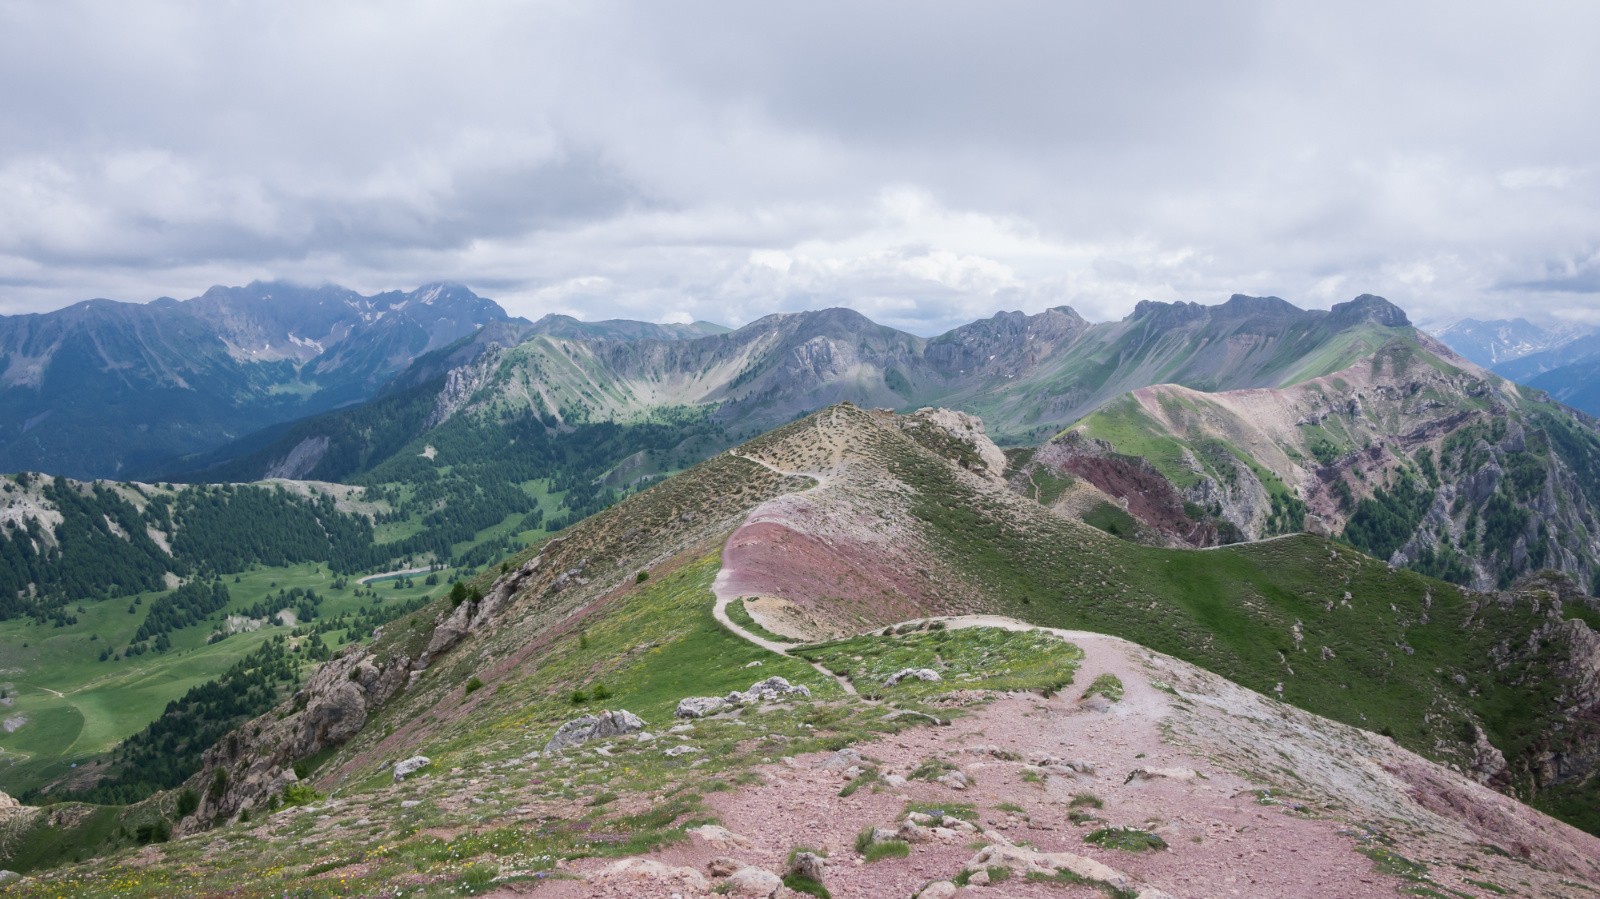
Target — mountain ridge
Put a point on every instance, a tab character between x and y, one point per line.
1026	375
103	388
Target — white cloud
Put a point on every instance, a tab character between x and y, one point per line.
724	162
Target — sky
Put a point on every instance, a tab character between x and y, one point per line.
926	163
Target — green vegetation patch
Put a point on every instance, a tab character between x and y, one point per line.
882	849
977	658
1112	519
1107	685
1127	839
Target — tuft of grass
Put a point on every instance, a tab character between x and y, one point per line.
868	775
961	811
877	852
801	884
1127	839
1011	807
932	768
473	685
1107	685
997	874
1085	800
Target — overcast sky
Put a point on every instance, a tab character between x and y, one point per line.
926	163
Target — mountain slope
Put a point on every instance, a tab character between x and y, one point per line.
843	523
1411	454
103	388
912	516
1576	385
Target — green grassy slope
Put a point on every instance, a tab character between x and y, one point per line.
1396	640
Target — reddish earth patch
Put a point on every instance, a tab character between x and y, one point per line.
1151	499
834	580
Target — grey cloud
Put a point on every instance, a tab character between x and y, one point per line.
926	163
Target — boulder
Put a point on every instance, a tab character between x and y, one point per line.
701	706
922	674
806	864
912	832
1179	774
769	690
751	881
719	836
722	866
843	760
410	766
939	889
8	878
594	727
636	872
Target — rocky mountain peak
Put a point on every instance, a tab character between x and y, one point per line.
1175	313
1369	308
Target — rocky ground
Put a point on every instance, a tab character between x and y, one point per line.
1248	796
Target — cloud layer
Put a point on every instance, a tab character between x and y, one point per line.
926	163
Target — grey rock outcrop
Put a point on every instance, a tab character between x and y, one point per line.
701	706
752	882
808	865
770	690
922	674
593	727
410	766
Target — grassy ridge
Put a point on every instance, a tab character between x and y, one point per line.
1395	640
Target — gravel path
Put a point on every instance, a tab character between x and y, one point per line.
1221	842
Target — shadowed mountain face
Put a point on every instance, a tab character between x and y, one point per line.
104	387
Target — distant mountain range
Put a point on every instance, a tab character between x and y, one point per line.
102	388
1564	361
1029	376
